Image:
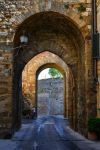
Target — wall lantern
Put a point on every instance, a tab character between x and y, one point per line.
23	39
23	42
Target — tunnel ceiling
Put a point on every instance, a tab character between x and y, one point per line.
49	22
52	32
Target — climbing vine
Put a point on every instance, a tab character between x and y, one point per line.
81	8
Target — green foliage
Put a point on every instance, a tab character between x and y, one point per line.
81	8
94	125
66	6
54	73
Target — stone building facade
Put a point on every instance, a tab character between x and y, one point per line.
62	27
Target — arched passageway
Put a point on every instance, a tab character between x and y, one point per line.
34	67
53	32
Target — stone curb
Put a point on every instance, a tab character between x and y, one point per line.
81	142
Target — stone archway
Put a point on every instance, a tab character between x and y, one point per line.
42	59
66	41
32	69
51	26
60	40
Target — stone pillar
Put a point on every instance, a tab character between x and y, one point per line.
70	99
90	88
5	89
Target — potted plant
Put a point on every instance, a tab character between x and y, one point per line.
98	109
94	128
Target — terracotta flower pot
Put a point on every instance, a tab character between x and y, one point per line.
92	136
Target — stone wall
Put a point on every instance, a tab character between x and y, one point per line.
5	90
50	99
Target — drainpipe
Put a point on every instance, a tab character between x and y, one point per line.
95	41
94	16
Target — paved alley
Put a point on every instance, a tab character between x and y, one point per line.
45	133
